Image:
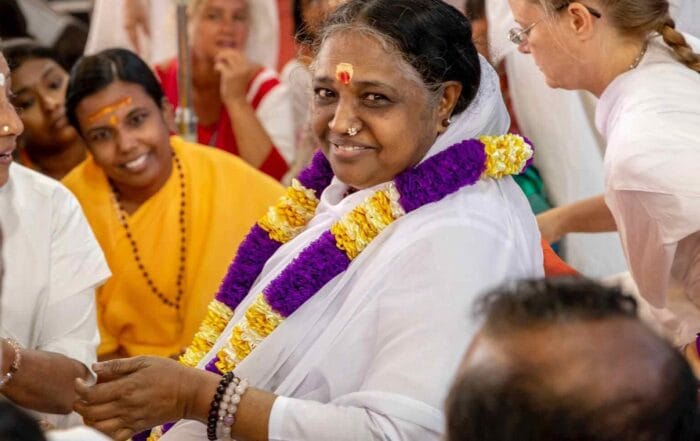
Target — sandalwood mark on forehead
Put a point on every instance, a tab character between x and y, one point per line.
109	109
344	72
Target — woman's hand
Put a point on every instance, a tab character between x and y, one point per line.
586	216
549	223
235	71
135	394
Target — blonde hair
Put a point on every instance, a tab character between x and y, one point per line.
641	18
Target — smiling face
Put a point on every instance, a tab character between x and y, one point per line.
39	87
392	112
548	43
10	124
128	136
219	24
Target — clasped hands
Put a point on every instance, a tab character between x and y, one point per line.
134	394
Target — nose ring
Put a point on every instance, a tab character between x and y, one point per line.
352	131
5	129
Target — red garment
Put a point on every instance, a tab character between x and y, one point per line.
554	266
221	134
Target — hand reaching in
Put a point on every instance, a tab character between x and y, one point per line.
134	394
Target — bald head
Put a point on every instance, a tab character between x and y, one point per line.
569	360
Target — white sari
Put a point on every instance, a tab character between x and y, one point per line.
372	354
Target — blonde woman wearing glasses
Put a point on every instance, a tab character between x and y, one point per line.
571	167
647	78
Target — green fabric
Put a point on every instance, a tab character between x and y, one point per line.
531	184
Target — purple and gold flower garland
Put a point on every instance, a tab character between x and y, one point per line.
460	165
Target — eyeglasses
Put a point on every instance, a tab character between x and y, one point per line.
519	36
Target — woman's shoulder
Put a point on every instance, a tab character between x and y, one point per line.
490	207
36	189
36	193
85	178
660	80
262	80
205	161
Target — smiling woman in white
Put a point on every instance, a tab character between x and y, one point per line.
52	264
370	355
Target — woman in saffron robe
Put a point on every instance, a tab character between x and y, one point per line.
353	328
168	214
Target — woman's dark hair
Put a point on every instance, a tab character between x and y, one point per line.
432	36
17	54
93	73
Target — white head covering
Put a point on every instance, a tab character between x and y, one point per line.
485	115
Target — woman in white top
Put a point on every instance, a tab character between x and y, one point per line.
628	53
365	349
52	265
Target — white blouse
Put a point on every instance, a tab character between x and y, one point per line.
52	265
650	117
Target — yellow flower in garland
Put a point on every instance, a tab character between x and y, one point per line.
359	227
505	155
218	316
294	210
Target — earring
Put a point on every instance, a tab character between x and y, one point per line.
446	122
352	131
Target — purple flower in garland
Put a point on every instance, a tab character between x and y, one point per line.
309	272
246	266
532	158
442	174
317	175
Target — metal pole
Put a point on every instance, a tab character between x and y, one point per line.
185	117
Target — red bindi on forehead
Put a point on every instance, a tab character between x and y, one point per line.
344	73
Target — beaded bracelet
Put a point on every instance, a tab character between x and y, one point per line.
213	419
229	406
14	367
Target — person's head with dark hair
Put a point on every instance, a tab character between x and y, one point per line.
39	82
94	73
394	72
568	359
423	34
115	102
13	23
